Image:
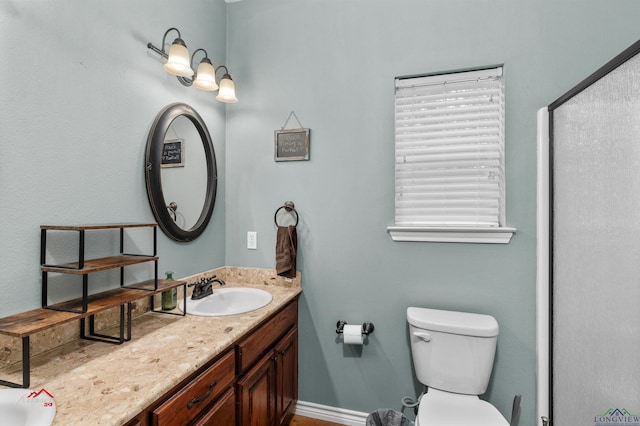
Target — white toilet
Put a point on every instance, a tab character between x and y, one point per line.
453	356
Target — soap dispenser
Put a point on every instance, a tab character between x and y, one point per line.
169	297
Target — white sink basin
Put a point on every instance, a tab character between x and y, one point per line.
26	407
228	301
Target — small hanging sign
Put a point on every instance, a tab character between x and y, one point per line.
172	153
292	144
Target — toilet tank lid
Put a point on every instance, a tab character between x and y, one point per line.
462	323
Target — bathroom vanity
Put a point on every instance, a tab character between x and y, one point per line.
258	375
238	369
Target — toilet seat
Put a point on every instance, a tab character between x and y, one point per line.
439	408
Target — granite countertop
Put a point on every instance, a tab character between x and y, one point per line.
95	383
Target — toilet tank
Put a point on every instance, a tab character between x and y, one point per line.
452	351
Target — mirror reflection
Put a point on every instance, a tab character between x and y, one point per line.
184	172
180	172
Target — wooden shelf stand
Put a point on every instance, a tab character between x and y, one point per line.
25	324
85	267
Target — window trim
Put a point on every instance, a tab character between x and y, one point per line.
496	235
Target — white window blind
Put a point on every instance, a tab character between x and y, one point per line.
449	147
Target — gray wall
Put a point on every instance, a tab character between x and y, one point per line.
79	91
333	63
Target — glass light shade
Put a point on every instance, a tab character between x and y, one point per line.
178	62
227	91
206	76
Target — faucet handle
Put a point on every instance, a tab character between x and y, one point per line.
203	281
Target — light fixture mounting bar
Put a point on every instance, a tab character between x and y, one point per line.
161	51
158	51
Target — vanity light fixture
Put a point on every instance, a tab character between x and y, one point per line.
204	78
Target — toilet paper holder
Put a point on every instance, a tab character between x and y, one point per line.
367	327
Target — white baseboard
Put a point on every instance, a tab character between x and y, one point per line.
331	414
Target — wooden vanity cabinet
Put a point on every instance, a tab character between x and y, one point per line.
255	383
267	390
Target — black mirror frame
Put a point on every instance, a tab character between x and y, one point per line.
153	160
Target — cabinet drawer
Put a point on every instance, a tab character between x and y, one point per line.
139	420
187	403
251	348
222	413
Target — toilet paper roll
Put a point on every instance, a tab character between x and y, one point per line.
353	334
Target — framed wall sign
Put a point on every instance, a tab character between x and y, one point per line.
173	153
291	145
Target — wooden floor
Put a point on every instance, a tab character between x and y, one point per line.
306	421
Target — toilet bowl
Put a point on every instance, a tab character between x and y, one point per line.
453	355
439	408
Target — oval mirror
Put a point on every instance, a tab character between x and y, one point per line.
181	172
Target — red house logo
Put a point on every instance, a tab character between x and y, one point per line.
40	393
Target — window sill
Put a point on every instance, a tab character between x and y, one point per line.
451	235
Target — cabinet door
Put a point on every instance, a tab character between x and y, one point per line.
286	352
256	394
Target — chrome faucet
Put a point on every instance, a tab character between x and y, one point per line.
204	287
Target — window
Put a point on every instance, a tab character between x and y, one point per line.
449	158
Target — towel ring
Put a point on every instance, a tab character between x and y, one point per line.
289	207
